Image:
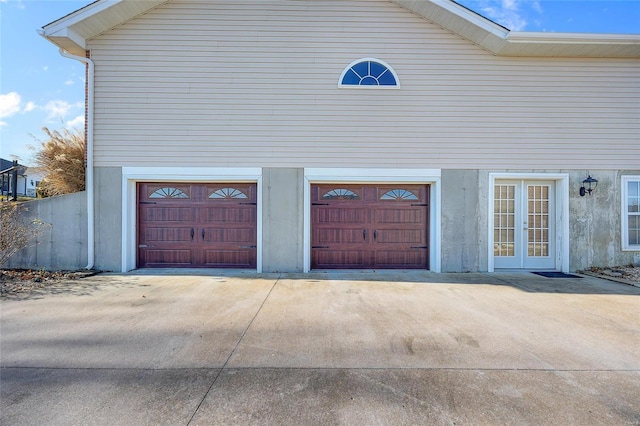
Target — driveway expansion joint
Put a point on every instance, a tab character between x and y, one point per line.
215	379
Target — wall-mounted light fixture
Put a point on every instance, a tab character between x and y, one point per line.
588	186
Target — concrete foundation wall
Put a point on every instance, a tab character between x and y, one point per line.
282	225
108	223
63	244
461	229
595	222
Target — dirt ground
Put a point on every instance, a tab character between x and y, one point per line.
624	273
17	281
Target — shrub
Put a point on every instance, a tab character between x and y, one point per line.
16	230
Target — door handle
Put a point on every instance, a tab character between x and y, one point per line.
192	234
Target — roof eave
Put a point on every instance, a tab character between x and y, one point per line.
72	31
500	41
571	45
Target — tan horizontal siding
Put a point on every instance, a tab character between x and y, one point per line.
234	83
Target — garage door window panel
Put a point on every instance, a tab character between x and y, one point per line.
168	192
341	194
399	194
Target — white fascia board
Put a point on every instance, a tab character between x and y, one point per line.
573	38
473	18
78	16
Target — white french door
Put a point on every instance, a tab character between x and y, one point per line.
524	224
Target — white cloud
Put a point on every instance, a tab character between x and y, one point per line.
60	109
537	6
69	82
9	104
510	13
17	4
30	106
76	122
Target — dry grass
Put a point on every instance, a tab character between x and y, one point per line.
61	159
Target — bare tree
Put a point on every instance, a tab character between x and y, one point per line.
61	158
16	230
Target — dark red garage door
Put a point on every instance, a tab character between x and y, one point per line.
193	225
369	226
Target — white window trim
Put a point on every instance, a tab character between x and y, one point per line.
372	176
562	213
624	223
133	175
359	87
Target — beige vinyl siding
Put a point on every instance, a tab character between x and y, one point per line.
233	83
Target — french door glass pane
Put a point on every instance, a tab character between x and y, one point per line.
538	220
504	220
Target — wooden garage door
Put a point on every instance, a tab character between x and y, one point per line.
192	225
367	226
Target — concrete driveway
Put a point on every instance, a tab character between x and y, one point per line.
338	348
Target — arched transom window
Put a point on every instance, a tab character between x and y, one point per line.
368	72
340	194
168	192
226	193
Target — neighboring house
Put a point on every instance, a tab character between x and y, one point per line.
6	179
33	178
295	135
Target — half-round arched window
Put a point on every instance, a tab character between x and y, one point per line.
369	72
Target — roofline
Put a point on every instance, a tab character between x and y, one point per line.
72	31
501	41
68	15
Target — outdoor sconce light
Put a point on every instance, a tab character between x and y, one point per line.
588	186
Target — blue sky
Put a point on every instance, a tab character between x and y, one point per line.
38	87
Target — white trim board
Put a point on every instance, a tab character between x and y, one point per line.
624	219
347	176
133	175
562	213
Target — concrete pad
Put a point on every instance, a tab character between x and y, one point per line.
101	396
133	322
163	347
422	396
322	322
